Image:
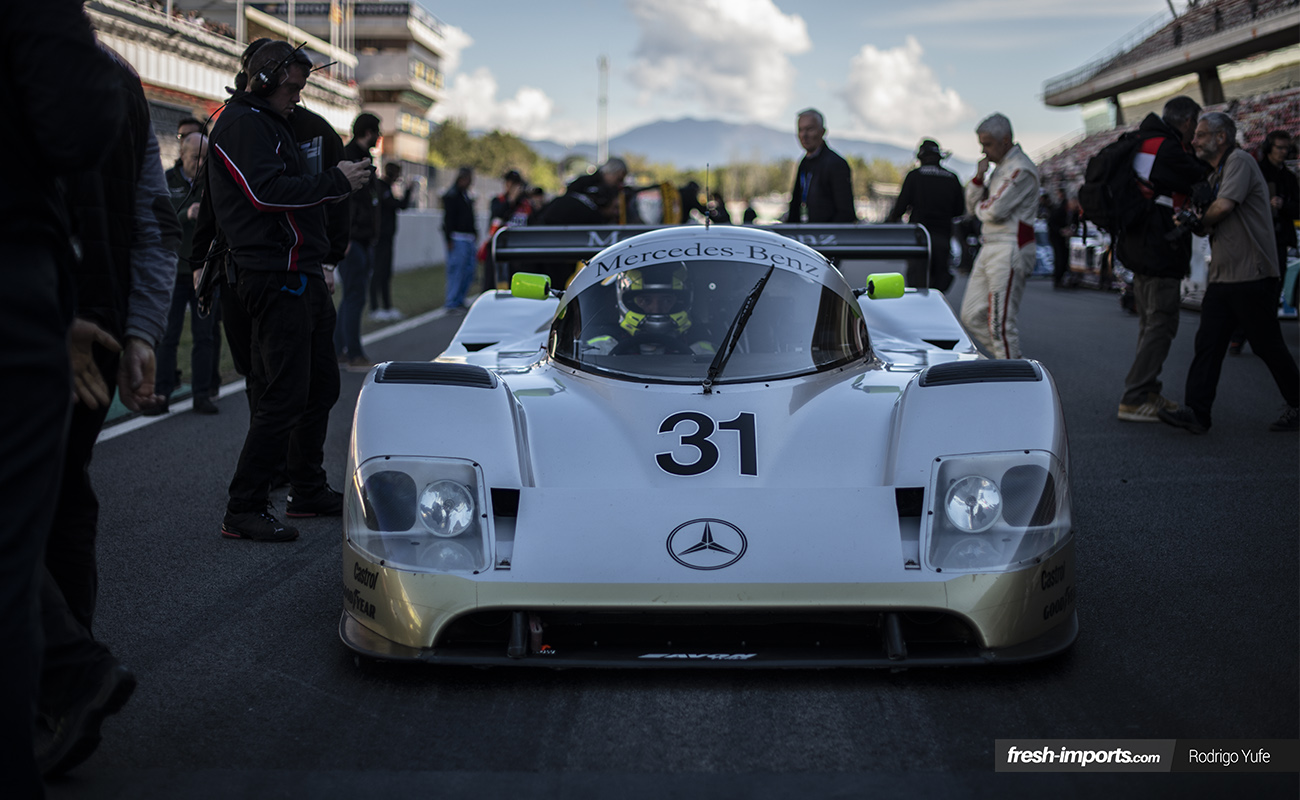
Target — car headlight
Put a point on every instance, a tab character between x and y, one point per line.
995	512
438	528
446	508
974	504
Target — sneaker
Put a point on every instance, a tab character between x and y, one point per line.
257	526
1182	417
204	405
155	411
378	315
1234	348
394	315
75	733
359	364
1146	412
324	502
1289	421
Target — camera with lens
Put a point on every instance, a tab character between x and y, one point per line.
1188	220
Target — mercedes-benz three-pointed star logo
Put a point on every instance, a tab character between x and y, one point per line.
707	544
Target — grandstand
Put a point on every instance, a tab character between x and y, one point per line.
1236	56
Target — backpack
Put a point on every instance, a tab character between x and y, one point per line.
1111	195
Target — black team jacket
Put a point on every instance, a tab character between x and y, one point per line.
265	199
322	148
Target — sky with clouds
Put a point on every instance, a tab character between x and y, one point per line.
880	70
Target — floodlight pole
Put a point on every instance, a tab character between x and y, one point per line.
602	106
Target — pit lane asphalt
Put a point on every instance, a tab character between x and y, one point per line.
1187	598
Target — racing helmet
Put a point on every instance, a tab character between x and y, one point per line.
654	300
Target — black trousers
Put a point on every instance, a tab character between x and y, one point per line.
291	357
381	274
70	554
71	584
35	311
1252	307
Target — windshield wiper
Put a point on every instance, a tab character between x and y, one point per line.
734	330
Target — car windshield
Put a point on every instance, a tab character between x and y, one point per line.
666	323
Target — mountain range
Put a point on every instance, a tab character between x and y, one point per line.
693	143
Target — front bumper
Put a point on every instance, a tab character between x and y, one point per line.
1001	618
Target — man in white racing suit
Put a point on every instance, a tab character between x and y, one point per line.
1005	203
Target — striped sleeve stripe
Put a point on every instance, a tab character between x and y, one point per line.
261	205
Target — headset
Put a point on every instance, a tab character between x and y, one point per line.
264	82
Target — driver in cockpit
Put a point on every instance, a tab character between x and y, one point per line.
654	306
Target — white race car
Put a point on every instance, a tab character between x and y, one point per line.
709	449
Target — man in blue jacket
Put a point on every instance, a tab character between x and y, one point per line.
270	207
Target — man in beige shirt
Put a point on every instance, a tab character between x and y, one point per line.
1243	284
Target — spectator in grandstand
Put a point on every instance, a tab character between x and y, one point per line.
1167	171
1005	203
186	197
1242	282
931	197
823	185
354	269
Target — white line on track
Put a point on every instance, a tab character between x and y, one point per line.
237	387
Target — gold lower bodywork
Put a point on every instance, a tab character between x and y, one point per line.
1003	610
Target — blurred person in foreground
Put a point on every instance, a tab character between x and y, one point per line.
1243	283
128	234
932	197
53	78
261	186
1005	202
823	184
186	199
1166	171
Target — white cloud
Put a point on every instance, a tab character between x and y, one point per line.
472	99
455	41
729	56
894	95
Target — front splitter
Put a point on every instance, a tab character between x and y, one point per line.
368	643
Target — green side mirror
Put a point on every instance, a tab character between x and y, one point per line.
884	285
531	286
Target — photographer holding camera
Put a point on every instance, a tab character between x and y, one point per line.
1243	280
1167	173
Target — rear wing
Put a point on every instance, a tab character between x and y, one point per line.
835	241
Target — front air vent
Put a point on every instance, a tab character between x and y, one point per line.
431	373
910	501
942	344
990	371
